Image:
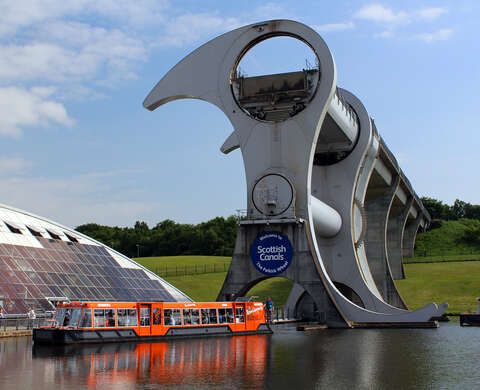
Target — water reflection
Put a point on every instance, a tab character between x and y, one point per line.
212	362
339	359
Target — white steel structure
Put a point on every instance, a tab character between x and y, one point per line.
328	205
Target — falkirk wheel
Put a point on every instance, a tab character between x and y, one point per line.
328	206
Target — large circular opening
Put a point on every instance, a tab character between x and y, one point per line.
275	78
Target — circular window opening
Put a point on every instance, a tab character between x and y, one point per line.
275	78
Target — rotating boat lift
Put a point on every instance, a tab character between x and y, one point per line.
328	205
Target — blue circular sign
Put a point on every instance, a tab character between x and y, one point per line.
271	253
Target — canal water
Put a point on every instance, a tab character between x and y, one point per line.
444	358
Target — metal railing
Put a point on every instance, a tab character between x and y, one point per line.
7	324
195	269
282	314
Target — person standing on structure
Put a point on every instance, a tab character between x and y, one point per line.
31	317
269	309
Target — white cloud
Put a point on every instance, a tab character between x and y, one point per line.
188	28
430	13
95	196
13	165
71	52
438	35
30	108
393	20
17	15
381	14
332	27
384	34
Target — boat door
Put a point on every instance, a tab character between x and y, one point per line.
239	314
145	319
157	327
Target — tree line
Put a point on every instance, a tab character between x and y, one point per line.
443	211
459	210
215	237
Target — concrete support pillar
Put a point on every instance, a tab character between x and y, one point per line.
395	229
378	210
242	274
409	235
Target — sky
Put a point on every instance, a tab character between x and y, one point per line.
79	147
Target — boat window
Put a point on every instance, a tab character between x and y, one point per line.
187	316
195	317
132	319
157	316
212	316
86	319
225	316
127	317
172	317
230	318
222	318
74	317
99	318
191	316
239	314
110	314
144	316
204	313
59	317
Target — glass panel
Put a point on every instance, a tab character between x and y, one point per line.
239	314
212	316
222	318
122	317
144	316
99	317
157	316
110	314
86	320
59	317
195	317
225	316
75	317
187	316
230	318
132	317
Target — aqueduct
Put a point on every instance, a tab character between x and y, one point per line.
327	204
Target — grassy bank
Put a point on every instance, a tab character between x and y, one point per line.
447	240
457	283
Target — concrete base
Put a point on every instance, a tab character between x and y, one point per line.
15	333
242	274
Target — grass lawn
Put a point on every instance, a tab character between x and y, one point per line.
166	266
447	239
457	283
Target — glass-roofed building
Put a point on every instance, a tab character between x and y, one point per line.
41	260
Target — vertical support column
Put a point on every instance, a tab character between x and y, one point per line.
242	274
395	229
378	210
409	236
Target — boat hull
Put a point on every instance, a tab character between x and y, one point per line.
469	319
55	336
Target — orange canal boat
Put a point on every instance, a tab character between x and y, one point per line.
100	322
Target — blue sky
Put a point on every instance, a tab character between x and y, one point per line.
79	147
